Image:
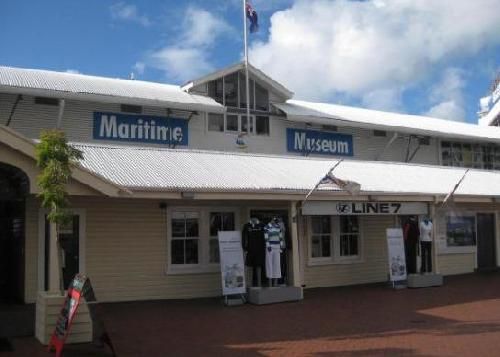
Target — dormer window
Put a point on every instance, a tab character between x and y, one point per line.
230	91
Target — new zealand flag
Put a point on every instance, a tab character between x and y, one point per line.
252	16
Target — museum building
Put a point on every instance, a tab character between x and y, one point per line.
166	168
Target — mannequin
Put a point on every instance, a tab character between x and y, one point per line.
426	245
275	244
254	245
411	235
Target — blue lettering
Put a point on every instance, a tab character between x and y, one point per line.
139	128
318	142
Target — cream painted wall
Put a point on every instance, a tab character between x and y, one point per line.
30	118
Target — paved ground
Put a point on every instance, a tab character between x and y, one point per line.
461	318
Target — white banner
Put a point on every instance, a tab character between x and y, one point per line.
231	263
363	208
396	254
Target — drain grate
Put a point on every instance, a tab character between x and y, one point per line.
5	345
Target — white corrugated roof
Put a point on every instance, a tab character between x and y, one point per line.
184	170
332	114
79	86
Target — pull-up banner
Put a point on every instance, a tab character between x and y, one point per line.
396	254
231	263
320	208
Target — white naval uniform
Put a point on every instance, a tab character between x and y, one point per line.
274	244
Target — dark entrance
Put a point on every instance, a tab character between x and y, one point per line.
69	240
486	257
265	216
14	186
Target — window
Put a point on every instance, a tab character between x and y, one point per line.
127	108
232	122
262	125
247	125
460	231
243	98
185	238
478	156
215	90
47	101
329	127
349	236
193	242
261	98
334	239
219	221
380	133
321	237
231	90
215	122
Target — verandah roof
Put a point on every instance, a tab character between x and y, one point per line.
177	170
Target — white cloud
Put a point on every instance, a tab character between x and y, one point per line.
139	67
127	12
188	57
447	96
202	28
73	71
181	64
450	110
373	50
383	99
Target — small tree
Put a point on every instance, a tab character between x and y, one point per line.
55	158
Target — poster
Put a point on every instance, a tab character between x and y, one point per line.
231	263
396	254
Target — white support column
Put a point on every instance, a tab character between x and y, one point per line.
435	257
295	245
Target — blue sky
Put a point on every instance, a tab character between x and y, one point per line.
421	57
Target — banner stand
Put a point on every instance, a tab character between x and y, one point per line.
396	258
232	268
234	300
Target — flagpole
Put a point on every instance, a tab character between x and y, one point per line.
247	91
319	182
452	192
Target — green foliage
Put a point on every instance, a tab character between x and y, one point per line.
55	158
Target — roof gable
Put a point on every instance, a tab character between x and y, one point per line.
253	71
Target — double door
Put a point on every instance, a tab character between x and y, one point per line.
69	242
486	247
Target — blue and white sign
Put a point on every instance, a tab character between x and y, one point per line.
319	142
140	128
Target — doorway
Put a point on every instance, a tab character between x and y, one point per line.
70	243
14	186
486	247
265	216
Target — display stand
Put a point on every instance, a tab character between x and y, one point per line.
234	300
273	295
424	280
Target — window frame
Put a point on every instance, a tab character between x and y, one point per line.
204	265
253	124
335	257
332	239
210	236
198	238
